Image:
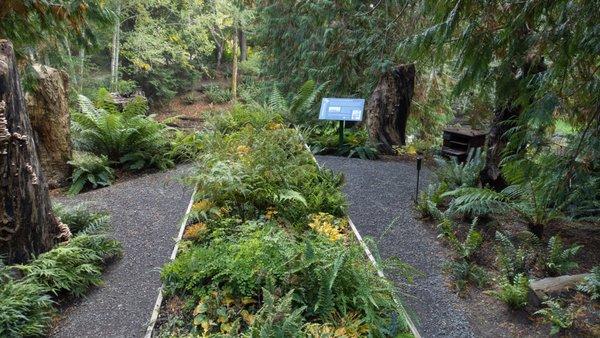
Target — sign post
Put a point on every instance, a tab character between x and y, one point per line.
342	110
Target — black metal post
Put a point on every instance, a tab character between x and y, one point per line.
341	132
419	164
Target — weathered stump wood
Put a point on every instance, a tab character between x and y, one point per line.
27	225
48	108
388	108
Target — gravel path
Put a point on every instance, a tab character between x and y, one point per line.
145	214
381	193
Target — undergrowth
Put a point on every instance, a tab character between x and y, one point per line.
268	251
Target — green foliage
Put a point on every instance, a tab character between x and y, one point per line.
81	220
459	175
559	259
324	140
215	94
277	318
269	224
513	291
561	318
299	110
464	272
511	260
429	199
126	87
92	169
477	201
26	290
185	147
129	139
25	310
72	267
591	284
349	43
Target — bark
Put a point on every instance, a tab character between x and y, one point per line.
116	49
219	49
48	109
27	225
388	107
496	142
234	68
504	119
243	45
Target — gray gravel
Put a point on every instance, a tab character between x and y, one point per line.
381	193
146	213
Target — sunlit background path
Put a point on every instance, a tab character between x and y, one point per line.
145	214
380	195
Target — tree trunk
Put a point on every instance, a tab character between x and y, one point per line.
496	142
234	67
116	49
505	117
243	45
48	108
27	225
388	108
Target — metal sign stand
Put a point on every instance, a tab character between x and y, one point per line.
341	132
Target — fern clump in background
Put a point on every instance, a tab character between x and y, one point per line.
559	259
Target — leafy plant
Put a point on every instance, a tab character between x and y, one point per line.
429	199
81	220
72	267
25	309
277	317
561	318
513	291
90	169
130	139
512	260
216	94
464	272
455	174
477	201
298	110
591	284
559	259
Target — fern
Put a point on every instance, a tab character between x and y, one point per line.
477	201
591	284
512	260
559	259
560	318
89	169
513	291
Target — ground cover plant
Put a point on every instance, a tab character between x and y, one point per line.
30	292
267	251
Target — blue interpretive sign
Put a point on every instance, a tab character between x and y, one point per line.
335	109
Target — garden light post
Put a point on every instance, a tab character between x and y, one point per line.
419	165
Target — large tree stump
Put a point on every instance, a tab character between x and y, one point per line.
27	225
48	109
388	108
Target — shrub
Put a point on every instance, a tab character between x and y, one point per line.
72	267
455	174
464	272
126	87
513	291
189	99
591	284
428	201
82	221
25	309
511	260
131	140
216	94
559	259
90	169
560	318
